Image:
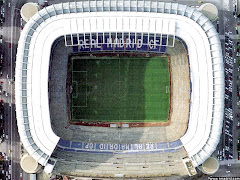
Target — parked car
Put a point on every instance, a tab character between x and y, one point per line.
2	12
21	23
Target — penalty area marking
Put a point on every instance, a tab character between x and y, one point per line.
79	72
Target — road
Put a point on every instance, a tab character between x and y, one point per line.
11	33
227	23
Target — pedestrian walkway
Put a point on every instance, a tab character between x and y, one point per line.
230	161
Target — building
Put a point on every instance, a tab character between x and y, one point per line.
93	17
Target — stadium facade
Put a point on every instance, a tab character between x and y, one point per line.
145	24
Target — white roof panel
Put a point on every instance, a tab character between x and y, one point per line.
193	31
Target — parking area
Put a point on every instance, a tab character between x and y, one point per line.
227	151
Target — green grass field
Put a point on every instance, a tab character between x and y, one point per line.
120	89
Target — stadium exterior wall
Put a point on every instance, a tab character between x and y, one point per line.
200	36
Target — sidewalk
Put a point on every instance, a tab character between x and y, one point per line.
230	161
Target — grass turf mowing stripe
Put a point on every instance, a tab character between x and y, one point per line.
156	98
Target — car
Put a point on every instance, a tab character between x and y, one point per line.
45	3
1	123
2	9
218	28
10	167
3	133
220	157
21	23
2	16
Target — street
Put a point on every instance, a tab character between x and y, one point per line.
11	33
11	146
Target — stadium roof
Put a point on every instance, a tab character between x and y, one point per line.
200	36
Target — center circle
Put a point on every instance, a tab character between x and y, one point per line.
119	89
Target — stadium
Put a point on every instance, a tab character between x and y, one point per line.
119	88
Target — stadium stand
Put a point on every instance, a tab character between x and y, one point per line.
115	42
172	19
65	145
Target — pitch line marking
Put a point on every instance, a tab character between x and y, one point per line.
167	89
85	89
79	71
76	94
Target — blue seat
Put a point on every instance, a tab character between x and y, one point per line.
163	145
75	48
179	149
64	143
59	148
163	49
169	150
69	150
175	144
77	145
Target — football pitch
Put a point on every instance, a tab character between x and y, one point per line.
119	89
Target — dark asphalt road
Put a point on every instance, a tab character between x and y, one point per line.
11	33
